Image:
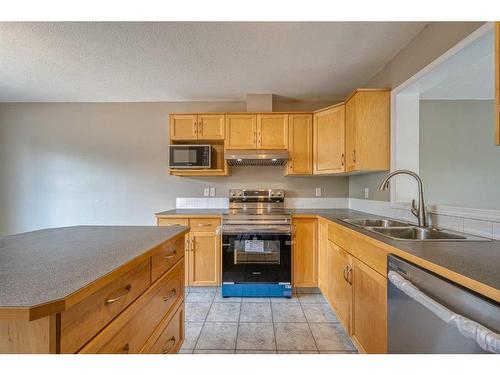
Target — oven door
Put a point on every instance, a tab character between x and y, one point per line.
257	258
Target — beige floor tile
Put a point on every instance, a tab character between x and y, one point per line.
298	352
255	351
256	336
294	336
330	336
220	299
294	299
196	311
200	297
215	336
312	298
186	351
287	312
224	312
256	312
215	351
191	332
254	299
319	313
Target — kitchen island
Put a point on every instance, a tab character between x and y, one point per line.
87	288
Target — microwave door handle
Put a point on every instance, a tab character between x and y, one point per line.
484	337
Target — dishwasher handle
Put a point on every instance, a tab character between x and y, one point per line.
484	337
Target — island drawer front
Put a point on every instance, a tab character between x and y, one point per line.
165	256
359	246
204	225
163	221
128	333
82	321
172	336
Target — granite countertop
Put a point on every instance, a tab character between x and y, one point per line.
479	261
48	265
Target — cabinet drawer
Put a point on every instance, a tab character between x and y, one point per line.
359	246
82	321
171	337
128	333
165	256
162	221
204	225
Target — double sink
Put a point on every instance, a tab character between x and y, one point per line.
398	230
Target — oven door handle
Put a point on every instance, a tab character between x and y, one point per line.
484	337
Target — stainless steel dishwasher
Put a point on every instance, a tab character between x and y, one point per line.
429	314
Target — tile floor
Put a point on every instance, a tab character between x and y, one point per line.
303	324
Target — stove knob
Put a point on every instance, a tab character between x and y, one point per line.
272	194
240	194
279	193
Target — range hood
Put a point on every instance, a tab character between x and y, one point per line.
256	157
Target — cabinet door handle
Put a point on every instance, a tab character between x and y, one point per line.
172	293
349	275
345	273
254	137
120	296
168	257
354	155
200	128
342	158
195	127
124	350
192	244
169	345
260	138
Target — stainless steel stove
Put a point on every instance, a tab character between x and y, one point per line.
256	244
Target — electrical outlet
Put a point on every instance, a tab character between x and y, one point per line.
206	192
318	192
212	192
367	193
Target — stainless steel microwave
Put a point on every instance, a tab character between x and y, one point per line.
190	156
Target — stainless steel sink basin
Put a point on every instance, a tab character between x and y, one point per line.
398	230
416	233
379	223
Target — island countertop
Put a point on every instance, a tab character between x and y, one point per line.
474	265
41	268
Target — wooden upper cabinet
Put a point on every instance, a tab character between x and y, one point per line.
272	132
329	141
300	144
210	126
497	83
369	310
241	132
183	127
305	253
368	130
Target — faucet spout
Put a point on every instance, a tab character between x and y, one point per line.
420	212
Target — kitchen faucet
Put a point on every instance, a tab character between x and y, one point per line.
420	212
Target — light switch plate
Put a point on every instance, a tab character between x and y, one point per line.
206	192
367	193
318	192
212	192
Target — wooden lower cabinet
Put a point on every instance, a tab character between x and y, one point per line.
323	267
369	310
204	259
171	335
339	291
305	253
202	249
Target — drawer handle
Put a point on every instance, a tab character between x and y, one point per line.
168	257
124	350
111	300
170	295
204	225
173	225
349	275
170	345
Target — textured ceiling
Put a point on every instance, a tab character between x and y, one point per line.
167	61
